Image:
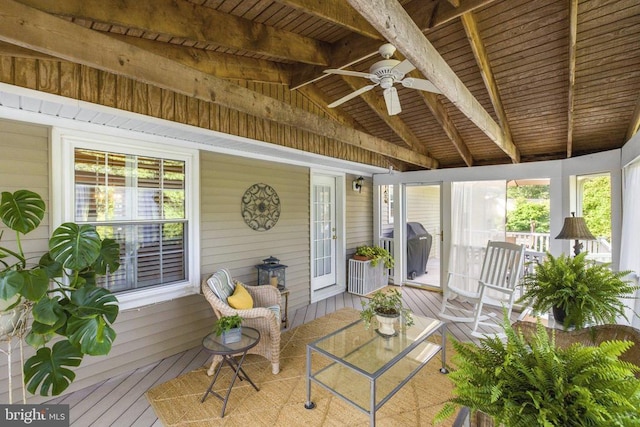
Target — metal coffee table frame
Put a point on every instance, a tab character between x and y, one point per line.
354	357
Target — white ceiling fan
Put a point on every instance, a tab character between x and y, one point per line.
385	73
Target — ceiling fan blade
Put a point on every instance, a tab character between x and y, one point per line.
420	84
392	100
348	73
402	68
351	95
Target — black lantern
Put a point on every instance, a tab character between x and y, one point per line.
271	272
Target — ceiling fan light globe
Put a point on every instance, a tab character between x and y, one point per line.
386	82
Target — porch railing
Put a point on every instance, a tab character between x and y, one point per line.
539	242
536	243
387	243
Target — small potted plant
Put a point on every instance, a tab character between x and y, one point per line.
387	308
376	254
230	327
579	292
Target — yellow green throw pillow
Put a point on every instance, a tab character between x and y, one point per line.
241	299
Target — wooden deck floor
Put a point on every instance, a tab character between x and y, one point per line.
120	401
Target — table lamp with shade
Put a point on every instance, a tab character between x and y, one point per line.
575	228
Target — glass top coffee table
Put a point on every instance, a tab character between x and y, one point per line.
365	368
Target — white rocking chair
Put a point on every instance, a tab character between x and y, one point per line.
501	271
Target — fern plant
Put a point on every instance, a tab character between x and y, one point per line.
531	382
587	292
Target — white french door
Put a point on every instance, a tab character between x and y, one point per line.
324	232
325	236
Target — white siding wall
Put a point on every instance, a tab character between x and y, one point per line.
24	152
226	241
359	221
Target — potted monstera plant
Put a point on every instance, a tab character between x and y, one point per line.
69	315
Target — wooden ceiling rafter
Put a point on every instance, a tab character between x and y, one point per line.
573	35
393	22
24	26
222	65
634	125
437	108
320	99
353	49
482	59
440	113
192	22
338	12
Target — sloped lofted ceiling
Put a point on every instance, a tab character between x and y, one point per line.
521	80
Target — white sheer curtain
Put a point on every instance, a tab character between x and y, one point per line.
477	216
630	243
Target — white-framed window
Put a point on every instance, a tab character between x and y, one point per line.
142	194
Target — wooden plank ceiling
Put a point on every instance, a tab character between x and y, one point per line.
520	80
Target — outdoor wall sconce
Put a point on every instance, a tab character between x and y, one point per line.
357	184
575	228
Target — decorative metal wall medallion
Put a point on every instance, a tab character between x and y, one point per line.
260	207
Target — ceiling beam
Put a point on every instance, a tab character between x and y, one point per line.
222	65
394	23
635	121
7	49
573	35
321	100
440	113
356	48
201	24
482	59
337	12
40	31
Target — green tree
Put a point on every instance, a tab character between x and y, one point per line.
540	192
526	211
596	205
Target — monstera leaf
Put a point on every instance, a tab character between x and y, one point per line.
93	335
11	283
51	266
49	312
75	246
48	368
109	259
22	211
36	283
87	327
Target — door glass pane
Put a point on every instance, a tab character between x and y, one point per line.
423	246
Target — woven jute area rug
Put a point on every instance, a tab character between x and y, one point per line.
280	401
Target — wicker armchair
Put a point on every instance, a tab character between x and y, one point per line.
260	317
